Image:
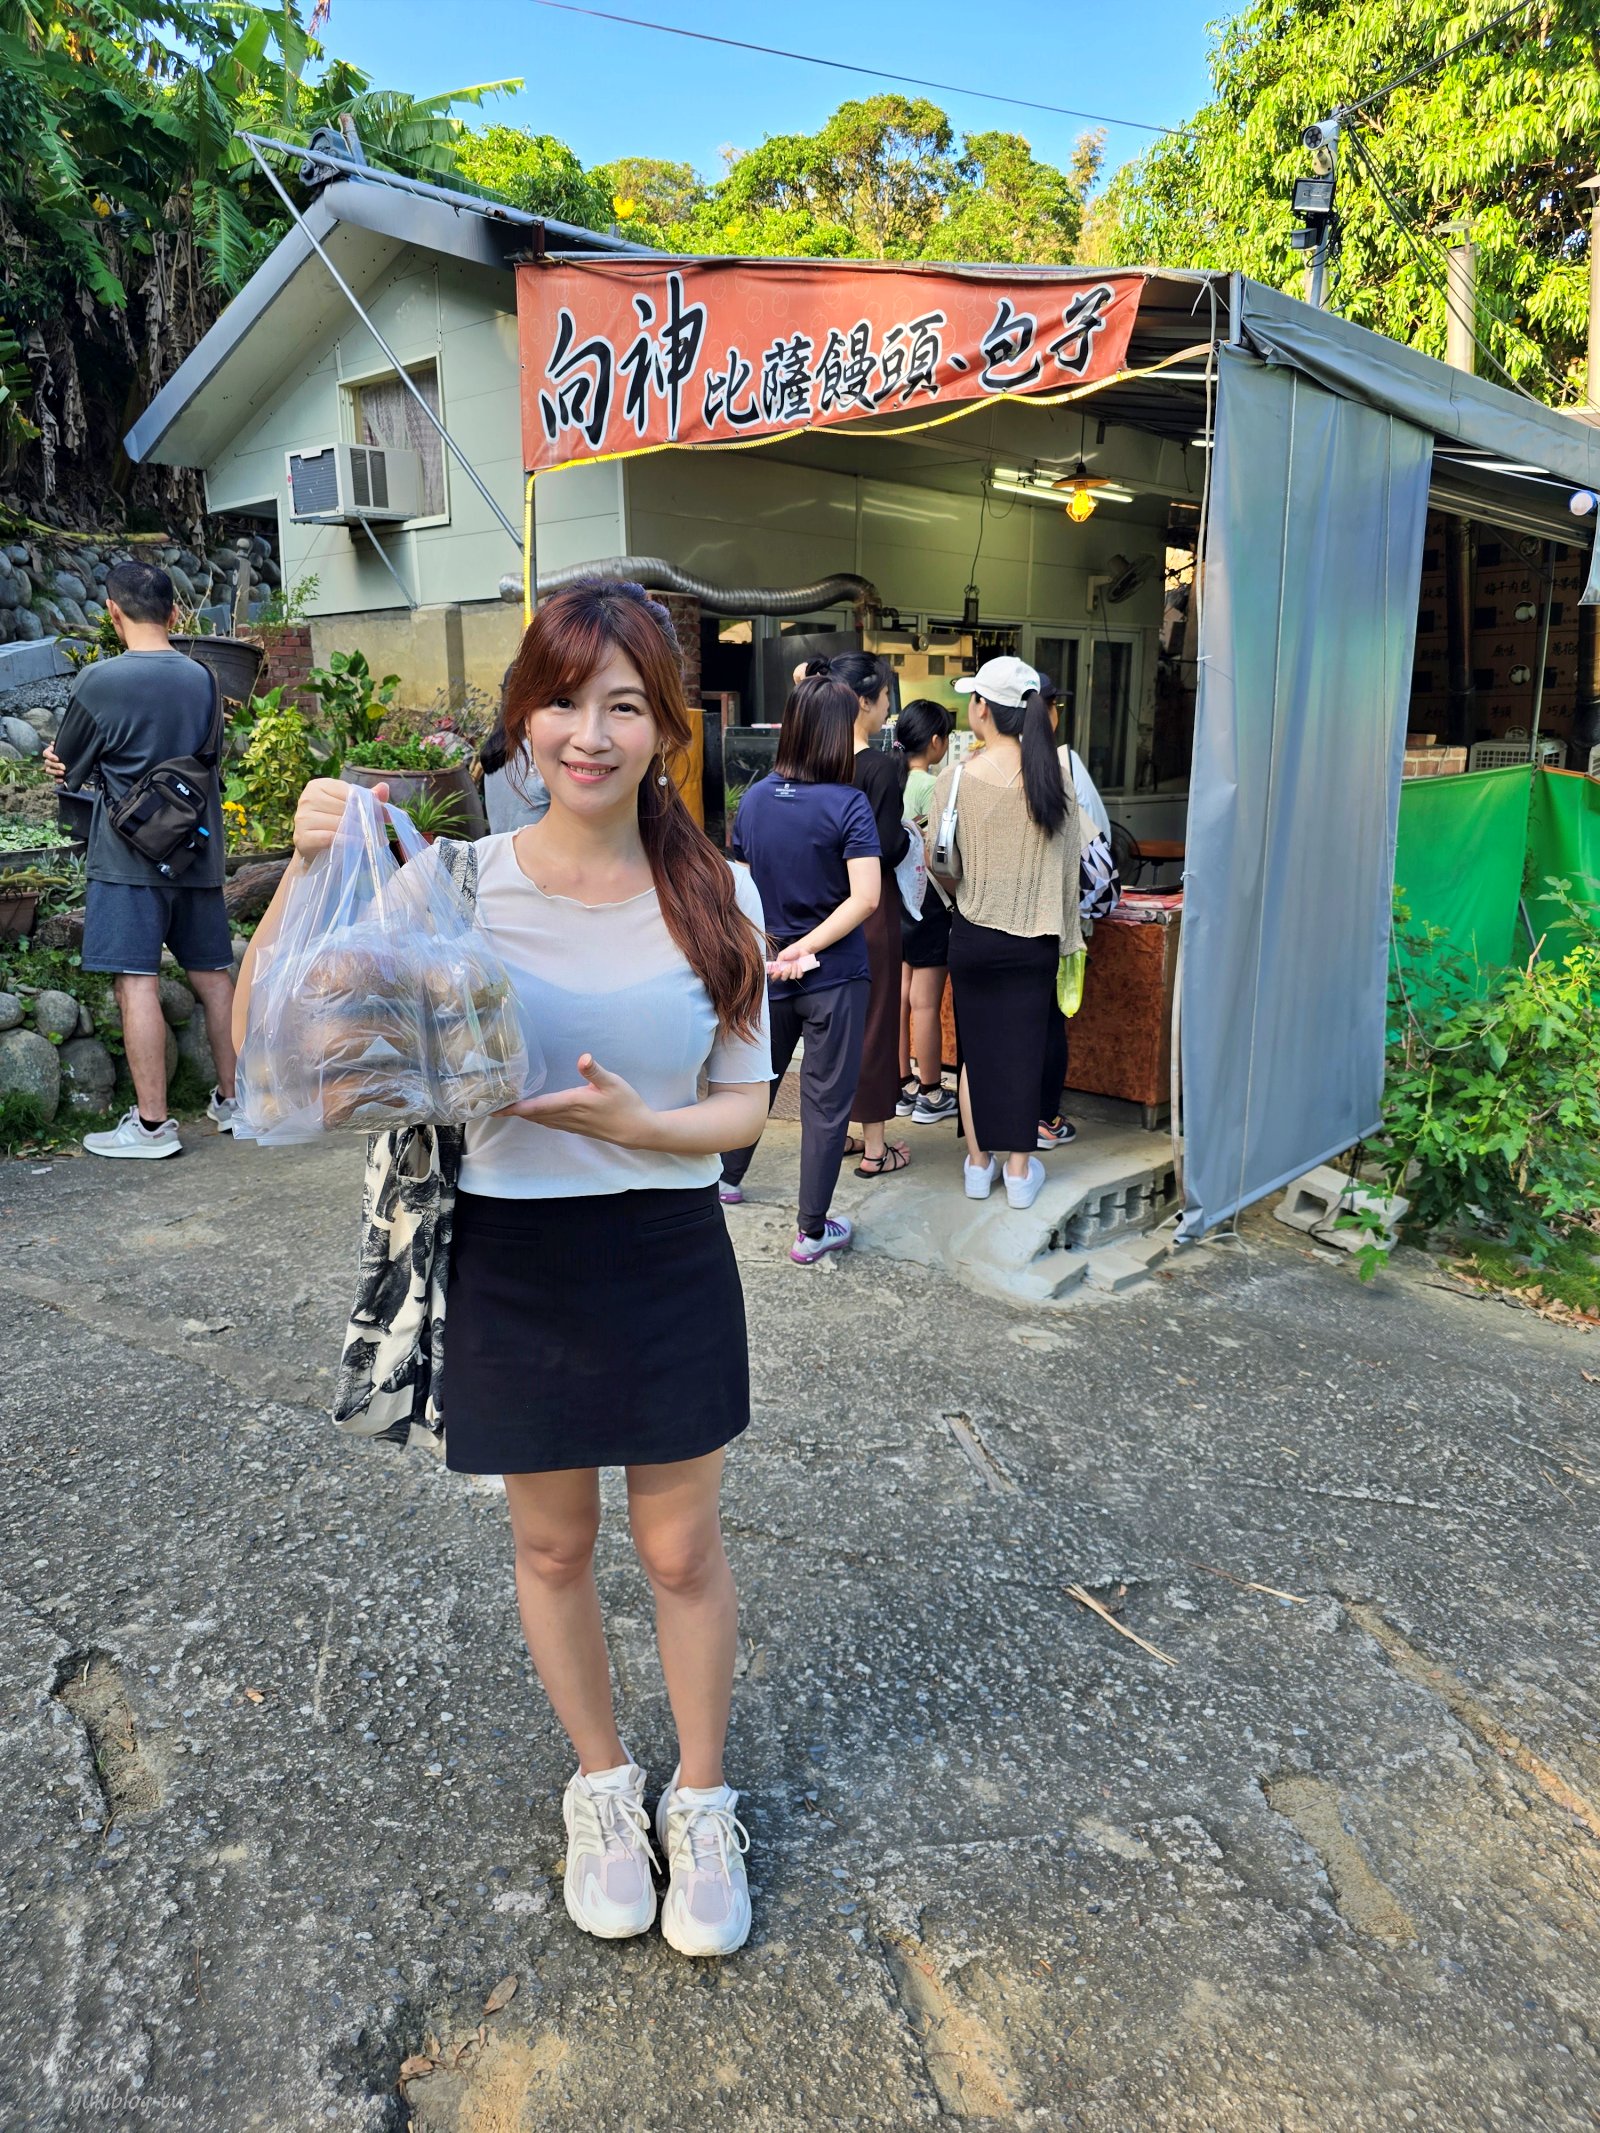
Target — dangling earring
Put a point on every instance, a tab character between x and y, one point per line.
661	759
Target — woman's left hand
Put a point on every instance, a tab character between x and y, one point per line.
603	1108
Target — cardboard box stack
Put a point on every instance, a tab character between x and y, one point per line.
1506	594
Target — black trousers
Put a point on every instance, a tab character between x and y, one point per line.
833	1022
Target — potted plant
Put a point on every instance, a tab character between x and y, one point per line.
235	662
20	890
431	817
350	706
413	770
35	844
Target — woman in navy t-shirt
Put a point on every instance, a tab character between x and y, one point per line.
809	839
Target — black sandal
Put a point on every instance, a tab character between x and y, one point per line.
892	1159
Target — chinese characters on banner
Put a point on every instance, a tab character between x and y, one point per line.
619	353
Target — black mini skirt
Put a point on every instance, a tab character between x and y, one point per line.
602	1331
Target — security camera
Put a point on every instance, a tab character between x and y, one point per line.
1324	134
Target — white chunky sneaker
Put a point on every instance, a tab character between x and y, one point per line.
129	1138
978	1178
609	1889
222	1109
707	1907
1023	1191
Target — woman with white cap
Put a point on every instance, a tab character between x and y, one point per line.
1016	843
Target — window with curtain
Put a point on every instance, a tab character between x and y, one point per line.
387	415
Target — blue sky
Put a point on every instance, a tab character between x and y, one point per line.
610	91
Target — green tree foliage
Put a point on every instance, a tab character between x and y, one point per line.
1501	134
534	171
1013	207
648	196
884	179
130	212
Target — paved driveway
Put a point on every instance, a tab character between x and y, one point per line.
1335	1866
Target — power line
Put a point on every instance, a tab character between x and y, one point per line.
1440	284
1438	60
847	66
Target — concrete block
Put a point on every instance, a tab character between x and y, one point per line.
39	661
1114	1268
1315	1202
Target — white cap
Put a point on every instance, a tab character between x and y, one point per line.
1000	681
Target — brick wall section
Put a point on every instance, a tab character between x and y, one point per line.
685	613
288	661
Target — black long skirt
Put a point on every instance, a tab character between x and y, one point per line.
999	985
607	1330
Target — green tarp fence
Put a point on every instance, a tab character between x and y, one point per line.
1466	844
1563	844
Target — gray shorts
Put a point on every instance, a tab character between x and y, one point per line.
126	924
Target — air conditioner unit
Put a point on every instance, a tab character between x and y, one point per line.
343	484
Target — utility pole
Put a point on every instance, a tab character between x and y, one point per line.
1461	296
1461	299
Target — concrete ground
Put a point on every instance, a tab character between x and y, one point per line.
1109	1186
280	1799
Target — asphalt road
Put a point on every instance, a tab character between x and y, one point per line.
280	1797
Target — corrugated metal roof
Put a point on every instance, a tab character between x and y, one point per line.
364	221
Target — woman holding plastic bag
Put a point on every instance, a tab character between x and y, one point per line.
574	1245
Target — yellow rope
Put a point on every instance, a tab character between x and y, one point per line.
528	587
904	429
812	429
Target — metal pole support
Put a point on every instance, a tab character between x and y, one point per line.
361	313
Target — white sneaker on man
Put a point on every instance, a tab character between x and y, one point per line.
609	1888
130	1137
707	1907
1023	1191
223	1109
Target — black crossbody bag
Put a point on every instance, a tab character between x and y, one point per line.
163	812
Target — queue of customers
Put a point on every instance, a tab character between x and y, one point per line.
857	977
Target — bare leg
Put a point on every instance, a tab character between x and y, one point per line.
214	990
676	1528
554	1521
144	1037
976	1156
927	1030
908	1064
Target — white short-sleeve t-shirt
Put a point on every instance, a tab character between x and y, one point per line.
607	979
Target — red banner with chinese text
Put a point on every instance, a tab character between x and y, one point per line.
622	354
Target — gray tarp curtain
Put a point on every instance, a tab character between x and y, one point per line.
1313	559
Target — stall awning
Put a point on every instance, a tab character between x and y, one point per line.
628	355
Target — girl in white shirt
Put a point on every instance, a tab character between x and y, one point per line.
594	1311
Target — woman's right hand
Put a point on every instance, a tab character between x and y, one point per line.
319	814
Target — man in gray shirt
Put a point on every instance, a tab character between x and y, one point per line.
127	715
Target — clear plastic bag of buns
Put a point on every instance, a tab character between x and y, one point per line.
380	1002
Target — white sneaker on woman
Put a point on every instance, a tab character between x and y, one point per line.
978	1178
707	1907
1023	1191
609	1888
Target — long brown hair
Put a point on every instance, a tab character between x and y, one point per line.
571	635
